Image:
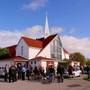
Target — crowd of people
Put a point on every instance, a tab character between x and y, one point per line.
23	72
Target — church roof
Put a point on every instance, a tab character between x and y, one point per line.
49	39
12	50
38	43
46	42
19	59
32	42
43	58
65	51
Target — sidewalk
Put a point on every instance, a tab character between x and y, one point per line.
68	84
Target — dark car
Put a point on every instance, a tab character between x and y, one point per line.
85	70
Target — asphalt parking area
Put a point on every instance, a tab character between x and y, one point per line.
68	84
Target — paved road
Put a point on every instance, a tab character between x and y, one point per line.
69	84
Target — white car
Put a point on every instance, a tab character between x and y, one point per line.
77	73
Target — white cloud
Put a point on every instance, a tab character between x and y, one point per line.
34	31
37	31
8	38
56	30
74	44
35	4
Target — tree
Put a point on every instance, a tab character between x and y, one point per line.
65	62
77	56
88	62
4	53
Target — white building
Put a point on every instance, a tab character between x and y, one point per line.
43	51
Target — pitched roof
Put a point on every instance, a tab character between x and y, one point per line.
48	39
43	58
46	42
39	43
19	59
12	50
33	42
65	51
40	39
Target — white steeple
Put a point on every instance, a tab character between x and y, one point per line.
46	32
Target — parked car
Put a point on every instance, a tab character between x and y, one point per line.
2	72
85	70
66	74
77	72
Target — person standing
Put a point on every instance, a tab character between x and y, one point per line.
60	72
28	72
36	73
12	73
6	72
19	69
23	72
70	71
51	73
88	71
41	71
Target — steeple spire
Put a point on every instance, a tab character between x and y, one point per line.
46	27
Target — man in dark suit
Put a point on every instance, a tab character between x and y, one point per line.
60	72
12	73
88	71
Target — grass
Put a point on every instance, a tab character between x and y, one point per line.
86	78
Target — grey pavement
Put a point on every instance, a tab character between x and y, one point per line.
68	84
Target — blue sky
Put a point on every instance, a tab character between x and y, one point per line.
69	14
72	16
